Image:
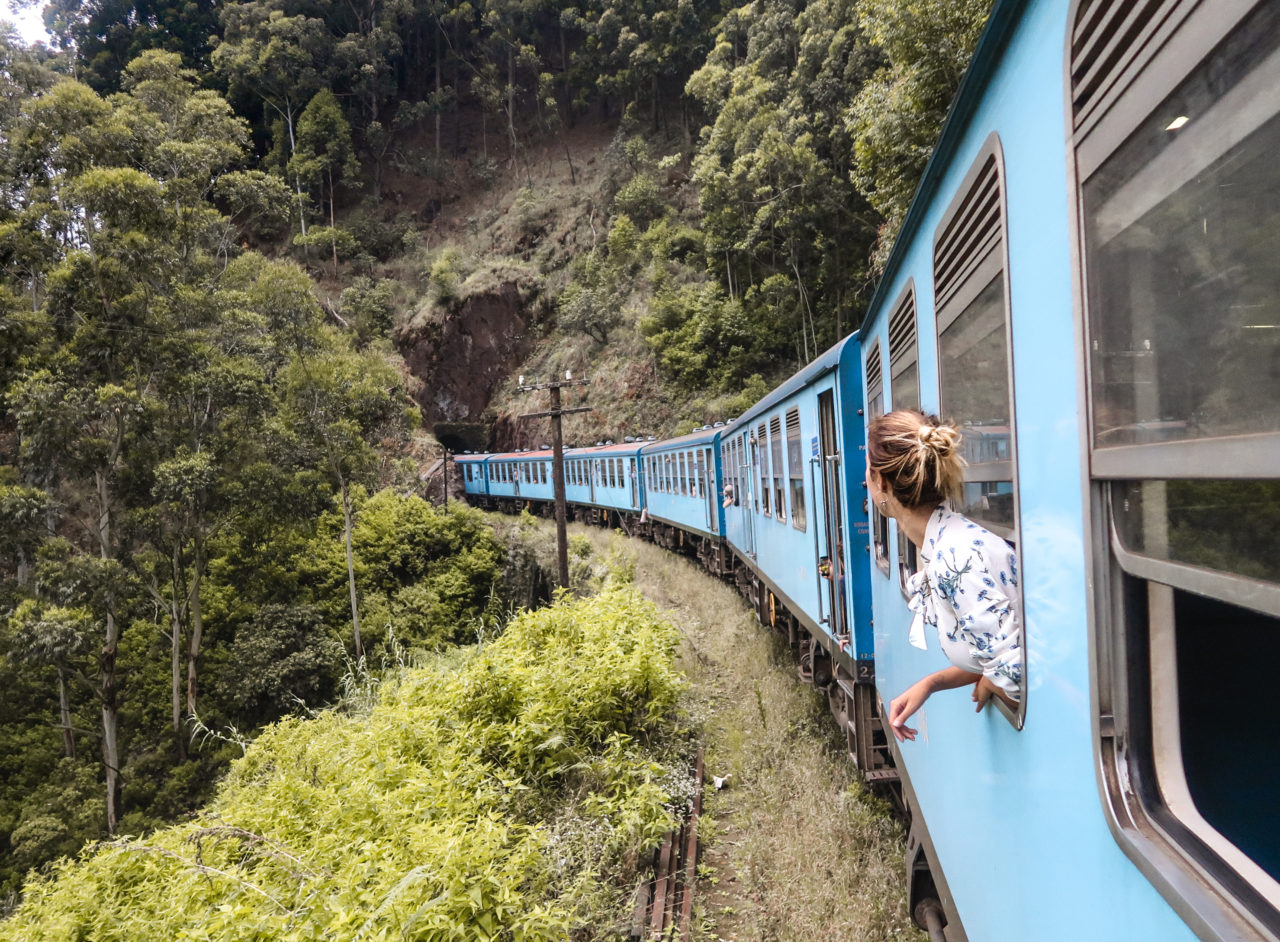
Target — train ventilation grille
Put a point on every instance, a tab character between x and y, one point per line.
1111	39
973	232
875	384
902	329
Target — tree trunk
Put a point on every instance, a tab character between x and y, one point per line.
64	714
197	626
351	568
511	100
108	692
333	235
297	180
439	97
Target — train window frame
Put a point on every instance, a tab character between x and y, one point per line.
777	464
762	461
873	370
970	268
1134	626
795	470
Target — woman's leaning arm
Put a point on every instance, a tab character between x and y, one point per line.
903	706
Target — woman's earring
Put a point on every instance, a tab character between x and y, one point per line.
884	505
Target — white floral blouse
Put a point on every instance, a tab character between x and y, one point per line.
967	588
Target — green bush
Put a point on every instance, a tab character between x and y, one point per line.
427	575
433	815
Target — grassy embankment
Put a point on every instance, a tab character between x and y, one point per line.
796	848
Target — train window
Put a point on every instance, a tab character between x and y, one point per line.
776	464
762	455
795	469
875	409
974	383
1181	228
904	373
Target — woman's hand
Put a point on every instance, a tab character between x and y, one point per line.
983	690
906	703
903	706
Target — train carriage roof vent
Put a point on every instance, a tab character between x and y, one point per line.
651	438
974	230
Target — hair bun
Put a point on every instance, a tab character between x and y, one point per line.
940	439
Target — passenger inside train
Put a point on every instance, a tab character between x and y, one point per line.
967	586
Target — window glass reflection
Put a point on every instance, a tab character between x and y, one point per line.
1182	237
975	395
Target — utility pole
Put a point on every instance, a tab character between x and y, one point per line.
557	461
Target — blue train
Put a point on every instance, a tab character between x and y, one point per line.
1087	282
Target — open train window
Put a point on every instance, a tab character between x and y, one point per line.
875	409
762	456
776	464
975	383
904	392
975	376
1180	227
795	469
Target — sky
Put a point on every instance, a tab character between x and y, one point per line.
29	23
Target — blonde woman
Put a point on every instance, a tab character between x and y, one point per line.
967	585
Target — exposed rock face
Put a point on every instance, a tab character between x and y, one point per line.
460	360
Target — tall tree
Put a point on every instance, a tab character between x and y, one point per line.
336	405
325	156
280	59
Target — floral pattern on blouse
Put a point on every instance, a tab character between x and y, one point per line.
967	589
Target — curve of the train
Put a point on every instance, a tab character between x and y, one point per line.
1086	283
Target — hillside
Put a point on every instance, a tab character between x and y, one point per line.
257	252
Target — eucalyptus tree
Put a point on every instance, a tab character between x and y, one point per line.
336	405
278	58
106	35
896	118
324	155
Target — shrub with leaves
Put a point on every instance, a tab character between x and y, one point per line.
483	797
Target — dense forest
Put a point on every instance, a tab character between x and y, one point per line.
216	220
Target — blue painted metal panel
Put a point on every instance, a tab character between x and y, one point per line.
689	499
1015	817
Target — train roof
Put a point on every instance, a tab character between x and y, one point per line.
986	56
700	436
824	363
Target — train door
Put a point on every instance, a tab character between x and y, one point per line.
592	467
635	483
750	505
709	488
833	512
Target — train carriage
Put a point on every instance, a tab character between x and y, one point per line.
681	482
474	472
794	516
1026	300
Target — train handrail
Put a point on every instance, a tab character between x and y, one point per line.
817	553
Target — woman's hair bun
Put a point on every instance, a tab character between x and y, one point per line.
940	439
